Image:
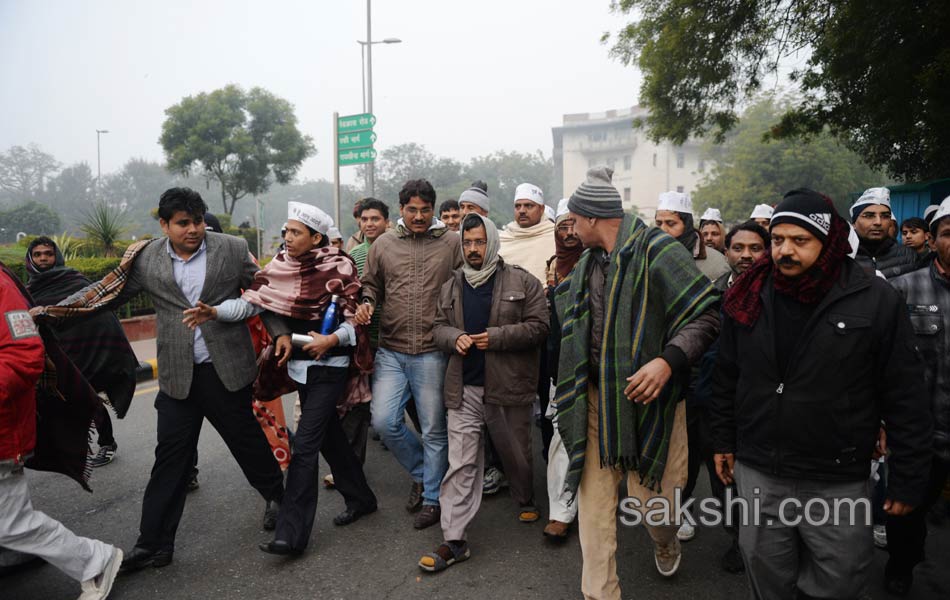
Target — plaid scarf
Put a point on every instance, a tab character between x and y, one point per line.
301	288
102	293
652	289
743	301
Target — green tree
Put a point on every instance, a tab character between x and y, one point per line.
398	164
749	170
245	141
24	172
871	72
30	218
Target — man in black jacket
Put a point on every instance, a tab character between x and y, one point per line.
814	355
871	216
927	294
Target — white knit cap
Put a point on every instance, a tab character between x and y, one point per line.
712	214
762	211
309	215
676	202
529	191
561	213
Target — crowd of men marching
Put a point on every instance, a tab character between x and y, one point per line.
799	355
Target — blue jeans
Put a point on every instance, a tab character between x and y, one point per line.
396	378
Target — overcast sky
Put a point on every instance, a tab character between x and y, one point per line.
468	79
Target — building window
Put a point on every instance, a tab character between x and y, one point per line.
626	195
627	162
680	160
597	136
702	165
679	189
612	163
654	159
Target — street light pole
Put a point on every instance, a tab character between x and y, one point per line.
371	170
99	132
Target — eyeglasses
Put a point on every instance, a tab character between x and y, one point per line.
412	211
474	243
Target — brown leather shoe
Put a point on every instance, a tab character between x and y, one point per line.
415	498
427	517
556	531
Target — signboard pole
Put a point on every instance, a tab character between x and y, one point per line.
336	169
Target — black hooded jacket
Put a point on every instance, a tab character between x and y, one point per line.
888	257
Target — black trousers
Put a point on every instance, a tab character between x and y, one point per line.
103	424
355	425
320	432
700	452
179	425
907	535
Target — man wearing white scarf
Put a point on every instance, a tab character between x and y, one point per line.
492	319
528	241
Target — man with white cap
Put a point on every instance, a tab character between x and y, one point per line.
871	217
561	509
674	215
296	288
475	199
712	230
528	241
927	294
335	237
762	214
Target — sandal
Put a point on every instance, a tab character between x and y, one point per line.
444	557
529	514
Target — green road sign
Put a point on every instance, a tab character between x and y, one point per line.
356	157
360	139
351	123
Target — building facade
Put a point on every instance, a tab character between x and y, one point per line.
642	169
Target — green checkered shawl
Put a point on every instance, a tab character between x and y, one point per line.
652	289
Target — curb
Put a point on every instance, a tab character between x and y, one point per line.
147	370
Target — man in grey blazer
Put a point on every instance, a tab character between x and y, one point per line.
202	374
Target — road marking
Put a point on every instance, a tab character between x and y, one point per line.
153	388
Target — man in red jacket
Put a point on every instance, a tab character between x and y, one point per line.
23	529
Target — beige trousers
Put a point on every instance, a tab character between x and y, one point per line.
598	502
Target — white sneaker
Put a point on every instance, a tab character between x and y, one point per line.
880	536
668	557
686	532
98	587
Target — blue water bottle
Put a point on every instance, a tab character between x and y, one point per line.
328	325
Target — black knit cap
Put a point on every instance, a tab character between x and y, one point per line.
805	208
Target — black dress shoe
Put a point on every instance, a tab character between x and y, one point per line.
351	515
898	584
139	558
271	509
280	548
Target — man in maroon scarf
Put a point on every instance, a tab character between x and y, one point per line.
815	354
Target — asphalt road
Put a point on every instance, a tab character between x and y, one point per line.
217	557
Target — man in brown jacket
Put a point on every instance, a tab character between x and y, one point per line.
492	319
405	269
